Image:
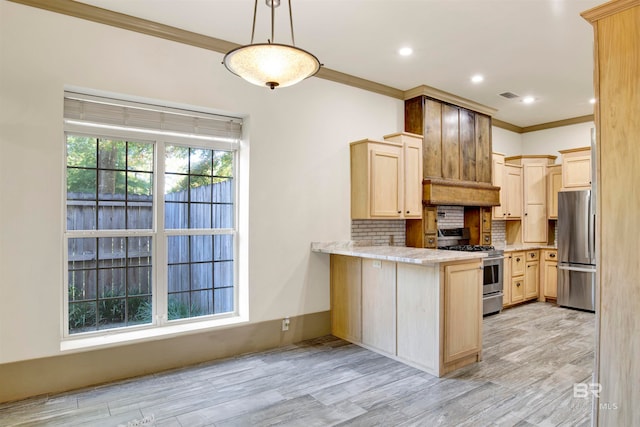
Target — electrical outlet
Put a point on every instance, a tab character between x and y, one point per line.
285	324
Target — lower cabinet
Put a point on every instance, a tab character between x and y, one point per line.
521	276
462	331
549	275
426	316
532	275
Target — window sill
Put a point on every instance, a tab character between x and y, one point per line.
112	338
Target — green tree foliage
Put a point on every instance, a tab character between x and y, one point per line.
195	167
109	166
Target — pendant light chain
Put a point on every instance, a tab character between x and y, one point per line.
253	29
273	14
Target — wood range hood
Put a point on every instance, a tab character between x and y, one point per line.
437	192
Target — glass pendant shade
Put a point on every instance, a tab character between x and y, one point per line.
271	64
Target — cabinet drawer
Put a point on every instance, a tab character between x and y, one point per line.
533	255
551	255
517	289
517	264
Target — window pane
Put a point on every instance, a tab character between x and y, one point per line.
223	300
140	156
178	249
202	276
178	277
175	188
223	273
116	289
81	184
175	215
81	151
111	185
111	215
223	163
179	307
140	184
176	159
200	162
201	248
206	185
112	154
202	302
223	247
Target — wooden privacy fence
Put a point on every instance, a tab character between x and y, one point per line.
200	267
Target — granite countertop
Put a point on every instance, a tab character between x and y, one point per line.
395	253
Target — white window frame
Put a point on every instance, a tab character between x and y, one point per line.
160	326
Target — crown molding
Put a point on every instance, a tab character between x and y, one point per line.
602	11
167	32
448	97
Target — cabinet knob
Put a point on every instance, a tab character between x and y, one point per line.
525	214
518	284
532	254
399	211
518	259
430	240
552	255
408	211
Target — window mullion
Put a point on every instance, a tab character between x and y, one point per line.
160	287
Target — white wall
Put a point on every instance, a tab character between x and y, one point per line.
299	175
506	142
549	141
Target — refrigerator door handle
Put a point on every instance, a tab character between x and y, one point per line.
587	206
581	269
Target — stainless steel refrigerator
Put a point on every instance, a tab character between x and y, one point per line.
576	250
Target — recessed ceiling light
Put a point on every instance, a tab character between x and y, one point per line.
405	51
477	78
592	101
528	99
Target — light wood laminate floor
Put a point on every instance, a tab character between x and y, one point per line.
533	355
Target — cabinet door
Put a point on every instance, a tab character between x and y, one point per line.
412	181
432	145
379	305
517	264
576	171
514	186
499	180
535	203
386	183
462	310
506	280
531	279
551	279
346	296
555	184
517	289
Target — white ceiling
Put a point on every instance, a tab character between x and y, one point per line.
541	48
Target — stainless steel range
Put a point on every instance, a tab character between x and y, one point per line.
457	239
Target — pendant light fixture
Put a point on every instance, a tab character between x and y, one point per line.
271	64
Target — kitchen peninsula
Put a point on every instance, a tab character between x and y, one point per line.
419	306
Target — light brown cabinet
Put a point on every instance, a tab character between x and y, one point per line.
385	179
532	275
549	274
576	168
554	184
426	316
534	219
462	331
498	178
514	182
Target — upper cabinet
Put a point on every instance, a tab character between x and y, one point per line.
457	141
385	178
554	184
576	168
509	178
534	172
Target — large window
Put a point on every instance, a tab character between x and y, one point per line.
138	256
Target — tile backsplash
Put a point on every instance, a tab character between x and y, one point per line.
379	231
450	217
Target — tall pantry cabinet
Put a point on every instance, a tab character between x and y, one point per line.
616	26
